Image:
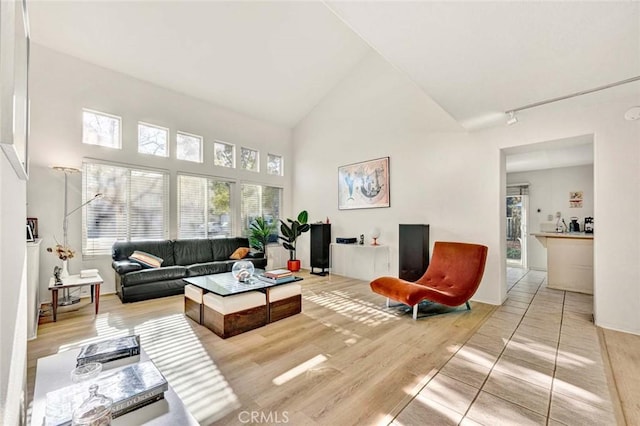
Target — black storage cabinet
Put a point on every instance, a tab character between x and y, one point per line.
320	241
414	251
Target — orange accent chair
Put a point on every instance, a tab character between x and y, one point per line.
452	278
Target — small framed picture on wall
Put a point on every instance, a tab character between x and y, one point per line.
32	222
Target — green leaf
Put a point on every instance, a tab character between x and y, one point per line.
288	246
303	216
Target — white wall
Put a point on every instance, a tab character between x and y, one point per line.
549	193
62	86
13	293
376	112
455	182
616	192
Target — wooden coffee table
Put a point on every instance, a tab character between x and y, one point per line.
224	284
75	281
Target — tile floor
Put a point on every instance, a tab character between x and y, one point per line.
536	361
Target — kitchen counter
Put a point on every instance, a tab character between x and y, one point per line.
569	260
542	236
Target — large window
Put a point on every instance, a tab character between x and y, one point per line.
259	200
224	154
204	207
189	147
249	159
101	129
153	140
134	206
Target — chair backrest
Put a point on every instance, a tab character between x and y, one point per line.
455	269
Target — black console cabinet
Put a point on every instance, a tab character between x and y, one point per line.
414	251
320	240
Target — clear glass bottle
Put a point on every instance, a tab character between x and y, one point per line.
94	411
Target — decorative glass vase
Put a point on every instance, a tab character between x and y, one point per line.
65	269
94	411
243	271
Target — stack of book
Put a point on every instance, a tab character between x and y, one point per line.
109	350
277	276
131	387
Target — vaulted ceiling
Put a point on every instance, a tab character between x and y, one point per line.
276	60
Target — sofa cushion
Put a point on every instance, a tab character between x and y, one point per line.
235	303
150	275
146	260
188	252
125	266
207	268
223	247
163	249
240	253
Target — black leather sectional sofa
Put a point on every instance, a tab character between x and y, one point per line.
181	259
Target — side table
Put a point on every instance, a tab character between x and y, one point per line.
75	281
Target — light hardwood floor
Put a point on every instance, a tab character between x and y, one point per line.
346	360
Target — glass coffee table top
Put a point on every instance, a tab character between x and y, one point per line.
226	285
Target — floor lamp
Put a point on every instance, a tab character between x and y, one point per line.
67	299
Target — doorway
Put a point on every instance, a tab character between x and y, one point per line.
516	231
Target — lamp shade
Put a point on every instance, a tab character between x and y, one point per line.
375	232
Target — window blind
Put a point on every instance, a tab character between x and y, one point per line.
134	206
518	189
259	200
204	207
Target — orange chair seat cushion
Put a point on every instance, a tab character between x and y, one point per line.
453	276
410	293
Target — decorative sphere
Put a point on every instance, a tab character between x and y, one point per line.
243	270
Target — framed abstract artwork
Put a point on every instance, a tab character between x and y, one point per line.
364	185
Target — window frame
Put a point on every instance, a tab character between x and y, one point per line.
104	114
257	162
233	154
281	157
192	135
155	126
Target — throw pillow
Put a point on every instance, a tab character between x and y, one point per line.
240	253
146	260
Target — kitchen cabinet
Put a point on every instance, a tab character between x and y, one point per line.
569	260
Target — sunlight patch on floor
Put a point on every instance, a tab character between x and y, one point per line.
356	309
178	353
299	369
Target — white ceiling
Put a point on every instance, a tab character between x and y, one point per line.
276	60
270	60
477	59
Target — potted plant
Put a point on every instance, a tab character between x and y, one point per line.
260	231
290	233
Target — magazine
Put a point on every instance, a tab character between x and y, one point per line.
278	273
130	388
109	350
277	280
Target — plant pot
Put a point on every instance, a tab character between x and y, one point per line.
293	265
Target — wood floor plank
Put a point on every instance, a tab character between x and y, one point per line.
623	350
